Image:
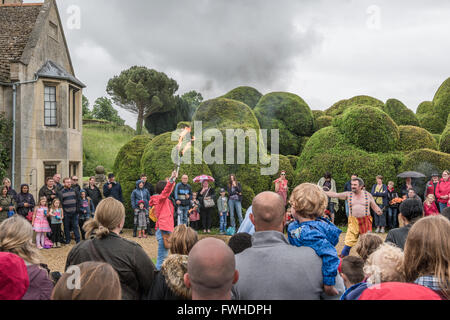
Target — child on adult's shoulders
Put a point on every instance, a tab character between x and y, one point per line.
311	229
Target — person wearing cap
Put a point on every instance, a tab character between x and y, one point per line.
14	281
141	219
281	186
112	188
430	187
222	205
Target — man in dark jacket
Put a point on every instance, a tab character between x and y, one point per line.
113	188
70	202
147	185
75	184
49	191
58	185
151	191
183	194
93	192
411	210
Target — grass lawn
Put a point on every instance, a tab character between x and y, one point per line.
101	145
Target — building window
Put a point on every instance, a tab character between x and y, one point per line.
53	31
73	169
50	106
74	108
49	171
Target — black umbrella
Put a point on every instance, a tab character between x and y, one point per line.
411	174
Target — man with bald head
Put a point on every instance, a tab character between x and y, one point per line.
211	270
272	269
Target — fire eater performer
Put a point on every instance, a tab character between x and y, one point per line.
359	220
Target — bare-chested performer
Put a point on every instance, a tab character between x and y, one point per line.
359	218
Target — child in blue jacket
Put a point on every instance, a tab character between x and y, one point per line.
310	229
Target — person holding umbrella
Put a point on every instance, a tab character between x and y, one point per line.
409	183
206	199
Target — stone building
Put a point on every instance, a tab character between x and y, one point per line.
37	79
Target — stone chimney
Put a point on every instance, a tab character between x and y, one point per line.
11	1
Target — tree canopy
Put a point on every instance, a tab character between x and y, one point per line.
143	91
104	110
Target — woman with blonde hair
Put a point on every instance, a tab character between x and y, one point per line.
134	267
169	281
98	281
16	235
427	254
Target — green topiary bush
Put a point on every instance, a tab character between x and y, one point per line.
444	142
368	128
157	162
441	101
426	161
437	137
290	114
293	160
414	138
127	168
431	122
248	95
400	113
425	107
323	122
327	150
318	113
222	114
247	197
339	107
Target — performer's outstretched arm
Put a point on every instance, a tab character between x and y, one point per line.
342	196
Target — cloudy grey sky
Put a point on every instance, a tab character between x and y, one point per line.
324	51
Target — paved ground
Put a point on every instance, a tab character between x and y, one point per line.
56	258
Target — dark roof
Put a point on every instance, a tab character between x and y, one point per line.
52	70
16	25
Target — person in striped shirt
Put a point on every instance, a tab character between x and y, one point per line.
70	202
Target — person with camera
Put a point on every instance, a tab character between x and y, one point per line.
113	188
206	198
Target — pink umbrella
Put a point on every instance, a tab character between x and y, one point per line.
203	177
